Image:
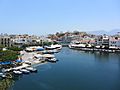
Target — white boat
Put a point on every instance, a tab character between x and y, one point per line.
56	50
56	46
27	62
34	48
2	75
24	71
48	51
32	69
52	60
76	45
17	72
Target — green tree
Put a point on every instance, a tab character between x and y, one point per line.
1	47
8	55
15	48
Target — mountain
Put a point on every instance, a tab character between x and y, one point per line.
114	31
101	32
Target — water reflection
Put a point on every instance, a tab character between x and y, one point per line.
101	56
7	83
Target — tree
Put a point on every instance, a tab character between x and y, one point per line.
1	47
8	55
47	43
76	32
15	48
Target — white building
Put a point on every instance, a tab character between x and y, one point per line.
114	42
103	41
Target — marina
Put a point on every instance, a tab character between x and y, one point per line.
59	45
30	57
74	71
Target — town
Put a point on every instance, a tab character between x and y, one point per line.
19	53
105	41
73	39
79	40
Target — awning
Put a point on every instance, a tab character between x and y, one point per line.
5	63
18	60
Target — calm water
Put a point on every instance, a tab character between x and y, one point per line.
75	70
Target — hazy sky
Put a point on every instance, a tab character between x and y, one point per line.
49	16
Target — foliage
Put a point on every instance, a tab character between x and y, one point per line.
76	32
47	43
60	34
15	48
1	47
6	83
24	46
8	55
55	43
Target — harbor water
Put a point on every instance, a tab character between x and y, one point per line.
75	70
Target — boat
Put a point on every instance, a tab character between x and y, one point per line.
57	46
56	50
3	76
48	51
34	48
24	71
31	69
52	47
27	62
17	72
52	60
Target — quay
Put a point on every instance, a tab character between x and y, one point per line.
96	49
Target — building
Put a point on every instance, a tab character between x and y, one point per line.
6	41
105	41
114	42
102	41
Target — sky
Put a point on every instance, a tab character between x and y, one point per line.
44	17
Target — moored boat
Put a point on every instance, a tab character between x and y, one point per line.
3	76
24	71
17	72
52	60
31	69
